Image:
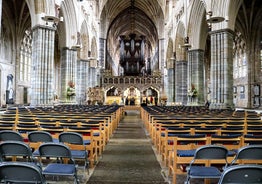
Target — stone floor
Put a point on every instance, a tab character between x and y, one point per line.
129	157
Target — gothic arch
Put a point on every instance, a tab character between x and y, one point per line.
232	15
32	11
179	40
197	29
94	48
169	53
16	23
84	41
70	22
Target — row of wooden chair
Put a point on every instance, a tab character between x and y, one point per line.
181	149
99	131
205	159
176	138
50	119
35	127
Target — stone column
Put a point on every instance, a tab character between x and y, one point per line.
161	63
170	81
221	73
1	6
161	67
42	93
68	72
196	75
181	82
102	52
82	80
92	76
92	71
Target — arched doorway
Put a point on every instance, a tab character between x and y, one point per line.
132	96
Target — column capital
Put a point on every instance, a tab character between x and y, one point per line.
37	26
221	31
195	50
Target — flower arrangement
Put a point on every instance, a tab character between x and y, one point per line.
70	89
192	92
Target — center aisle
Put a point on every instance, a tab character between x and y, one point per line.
128	157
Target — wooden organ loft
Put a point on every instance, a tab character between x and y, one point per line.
132	56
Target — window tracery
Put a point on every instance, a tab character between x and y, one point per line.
240	57
25	57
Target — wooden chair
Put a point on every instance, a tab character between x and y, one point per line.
207	155
231	142
249	139
181	152
99	133
168	132
89	143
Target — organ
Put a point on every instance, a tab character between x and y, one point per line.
132	55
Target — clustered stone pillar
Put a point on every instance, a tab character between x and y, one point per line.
0	16
196	74
221	73
42	66
68	72
161	55
170	80
181	82
82	80
161	66
102	46
92	76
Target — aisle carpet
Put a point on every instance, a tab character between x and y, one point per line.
129	157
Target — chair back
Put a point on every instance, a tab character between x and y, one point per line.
15	148
71	138
8	135
54	150
208	152
250	152
19	172
40	136
242	174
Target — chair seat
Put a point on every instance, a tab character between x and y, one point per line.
87	142
59	169
232	153
186	153
36	153
204	172
96	134
79	153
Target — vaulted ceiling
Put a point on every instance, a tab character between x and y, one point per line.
124	17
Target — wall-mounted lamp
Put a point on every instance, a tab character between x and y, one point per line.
214	19
76	47
52	19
